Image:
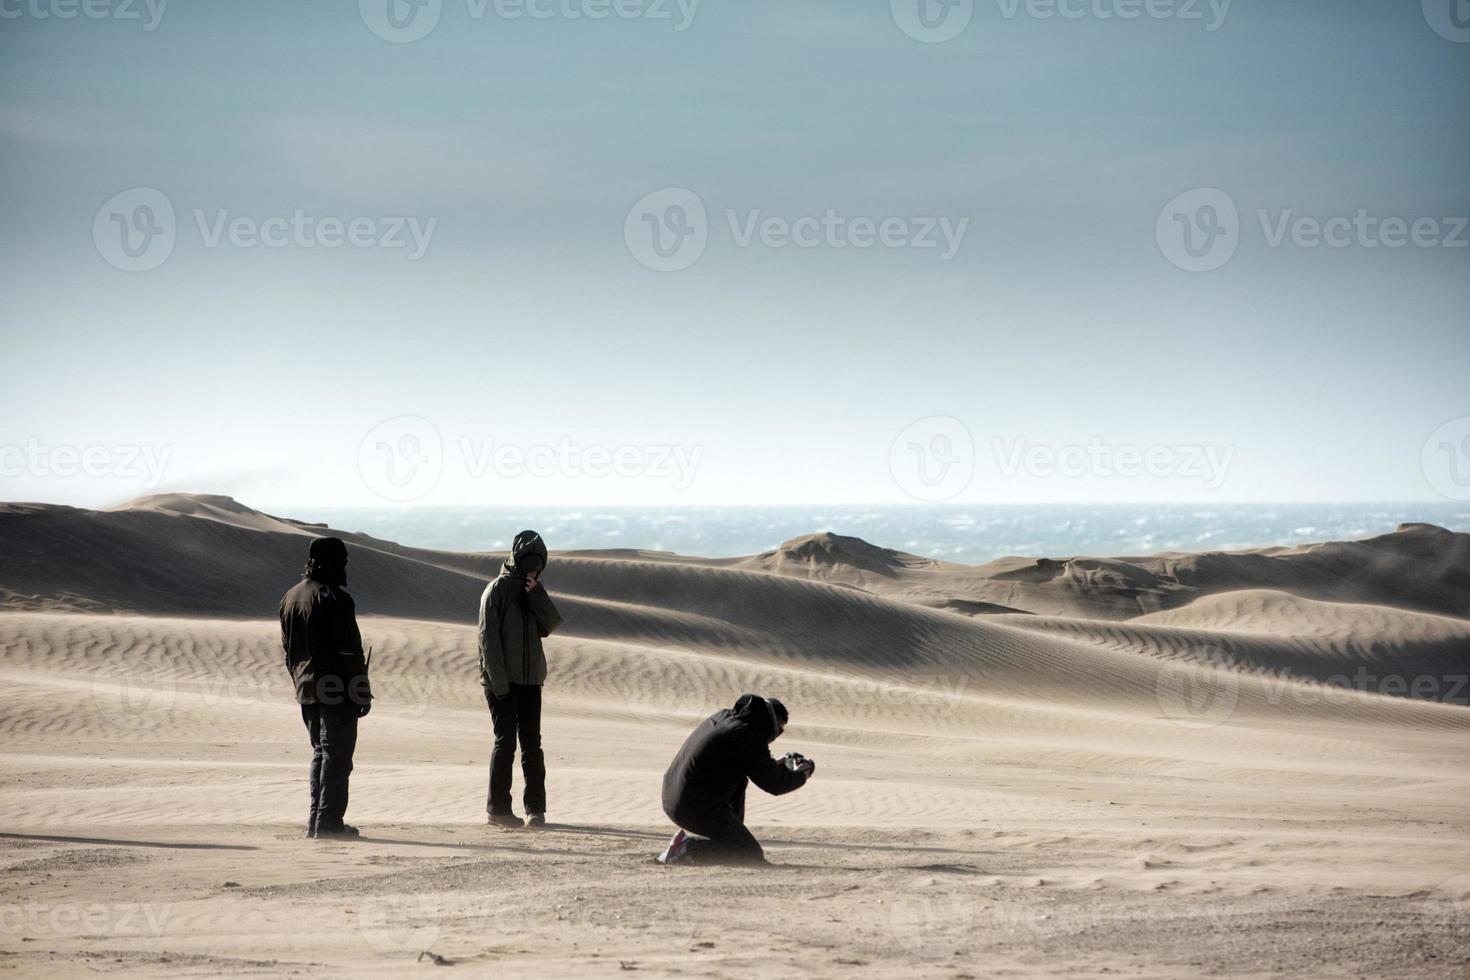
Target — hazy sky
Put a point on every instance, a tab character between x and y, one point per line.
991	298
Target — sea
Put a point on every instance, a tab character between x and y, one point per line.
965	534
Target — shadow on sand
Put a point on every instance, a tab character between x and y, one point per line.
128	843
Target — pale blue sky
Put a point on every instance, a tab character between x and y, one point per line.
784	375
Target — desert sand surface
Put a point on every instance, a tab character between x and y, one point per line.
1247	764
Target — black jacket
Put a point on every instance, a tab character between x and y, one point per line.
729	747
322	644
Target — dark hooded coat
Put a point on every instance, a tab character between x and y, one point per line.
729	747
319	632
513	622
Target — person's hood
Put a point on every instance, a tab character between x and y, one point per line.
758	713
326	562
527	553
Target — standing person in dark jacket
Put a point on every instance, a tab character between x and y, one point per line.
704	788
324	655
515	615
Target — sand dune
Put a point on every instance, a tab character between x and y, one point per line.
1034	766
1419	567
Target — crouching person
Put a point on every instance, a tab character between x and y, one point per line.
324	655
704	788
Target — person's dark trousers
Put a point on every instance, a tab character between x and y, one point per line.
517	715
721	836
333	731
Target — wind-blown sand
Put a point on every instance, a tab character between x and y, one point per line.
1244	764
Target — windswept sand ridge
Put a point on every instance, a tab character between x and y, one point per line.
1028	794
1356	646
200	686
1418	567
180	554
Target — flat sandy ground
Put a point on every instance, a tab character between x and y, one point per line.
1166	791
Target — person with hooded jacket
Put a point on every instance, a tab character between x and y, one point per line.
516	614
324	655
704	787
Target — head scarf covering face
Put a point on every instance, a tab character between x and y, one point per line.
527	554
326	562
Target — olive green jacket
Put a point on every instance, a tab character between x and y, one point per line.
513	621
